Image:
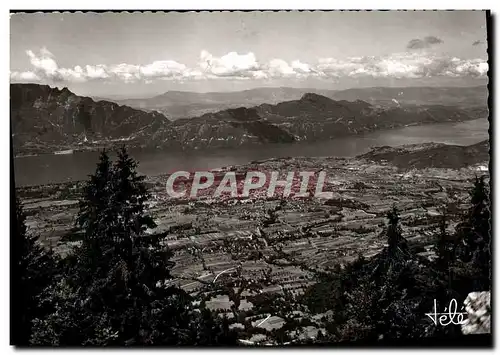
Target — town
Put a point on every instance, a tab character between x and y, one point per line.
244	185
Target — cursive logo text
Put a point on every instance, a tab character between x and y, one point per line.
449	316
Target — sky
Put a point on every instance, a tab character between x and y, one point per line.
144	54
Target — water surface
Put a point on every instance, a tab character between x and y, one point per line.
48	168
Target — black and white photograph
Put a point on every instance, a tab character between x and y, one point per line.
250	179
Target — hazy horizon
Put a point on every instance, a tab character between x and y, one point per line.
142	96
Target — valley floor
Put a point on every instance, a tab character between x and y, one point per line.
314	233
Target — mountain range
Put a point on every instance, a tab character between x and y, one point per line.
46	119
179	104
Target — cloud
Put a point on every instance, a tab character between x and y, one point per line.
433	40
97	72
43	62
46	67
125	72
474	67
403	65
302	68
426	42
235	66
278	68
246	66
229	65
25	76
163	69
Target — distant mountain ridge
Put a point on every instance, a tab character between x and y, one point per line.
252	96
184	104
312	117
431	155
316	117
448	96
179	104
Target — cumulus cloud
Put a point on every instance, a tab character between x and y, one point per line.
426	42
44	61
229	65
404	65
162	70
46	67
236	66
246	66
300	67
278	68
27	76
97	72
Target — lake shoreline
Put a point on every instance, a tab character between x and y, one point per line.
194	150
49	168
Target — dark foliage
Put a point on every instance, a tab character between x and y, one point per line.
113	291
474	253
35	269
386	297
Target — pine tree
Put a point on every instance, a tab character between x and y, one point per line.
444	245
477	227
35	269
474	231
128	286
95	199
480	217
121	299
128	198
95	215
444	248
397	244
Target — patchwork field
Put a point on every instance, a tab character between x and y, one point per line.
316	232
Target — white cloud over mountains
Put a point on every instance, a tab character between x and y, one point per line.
247	67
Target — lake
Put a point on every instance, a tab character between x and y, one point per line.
43	169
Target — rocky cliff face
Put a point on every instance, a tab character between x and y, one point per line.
46	119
